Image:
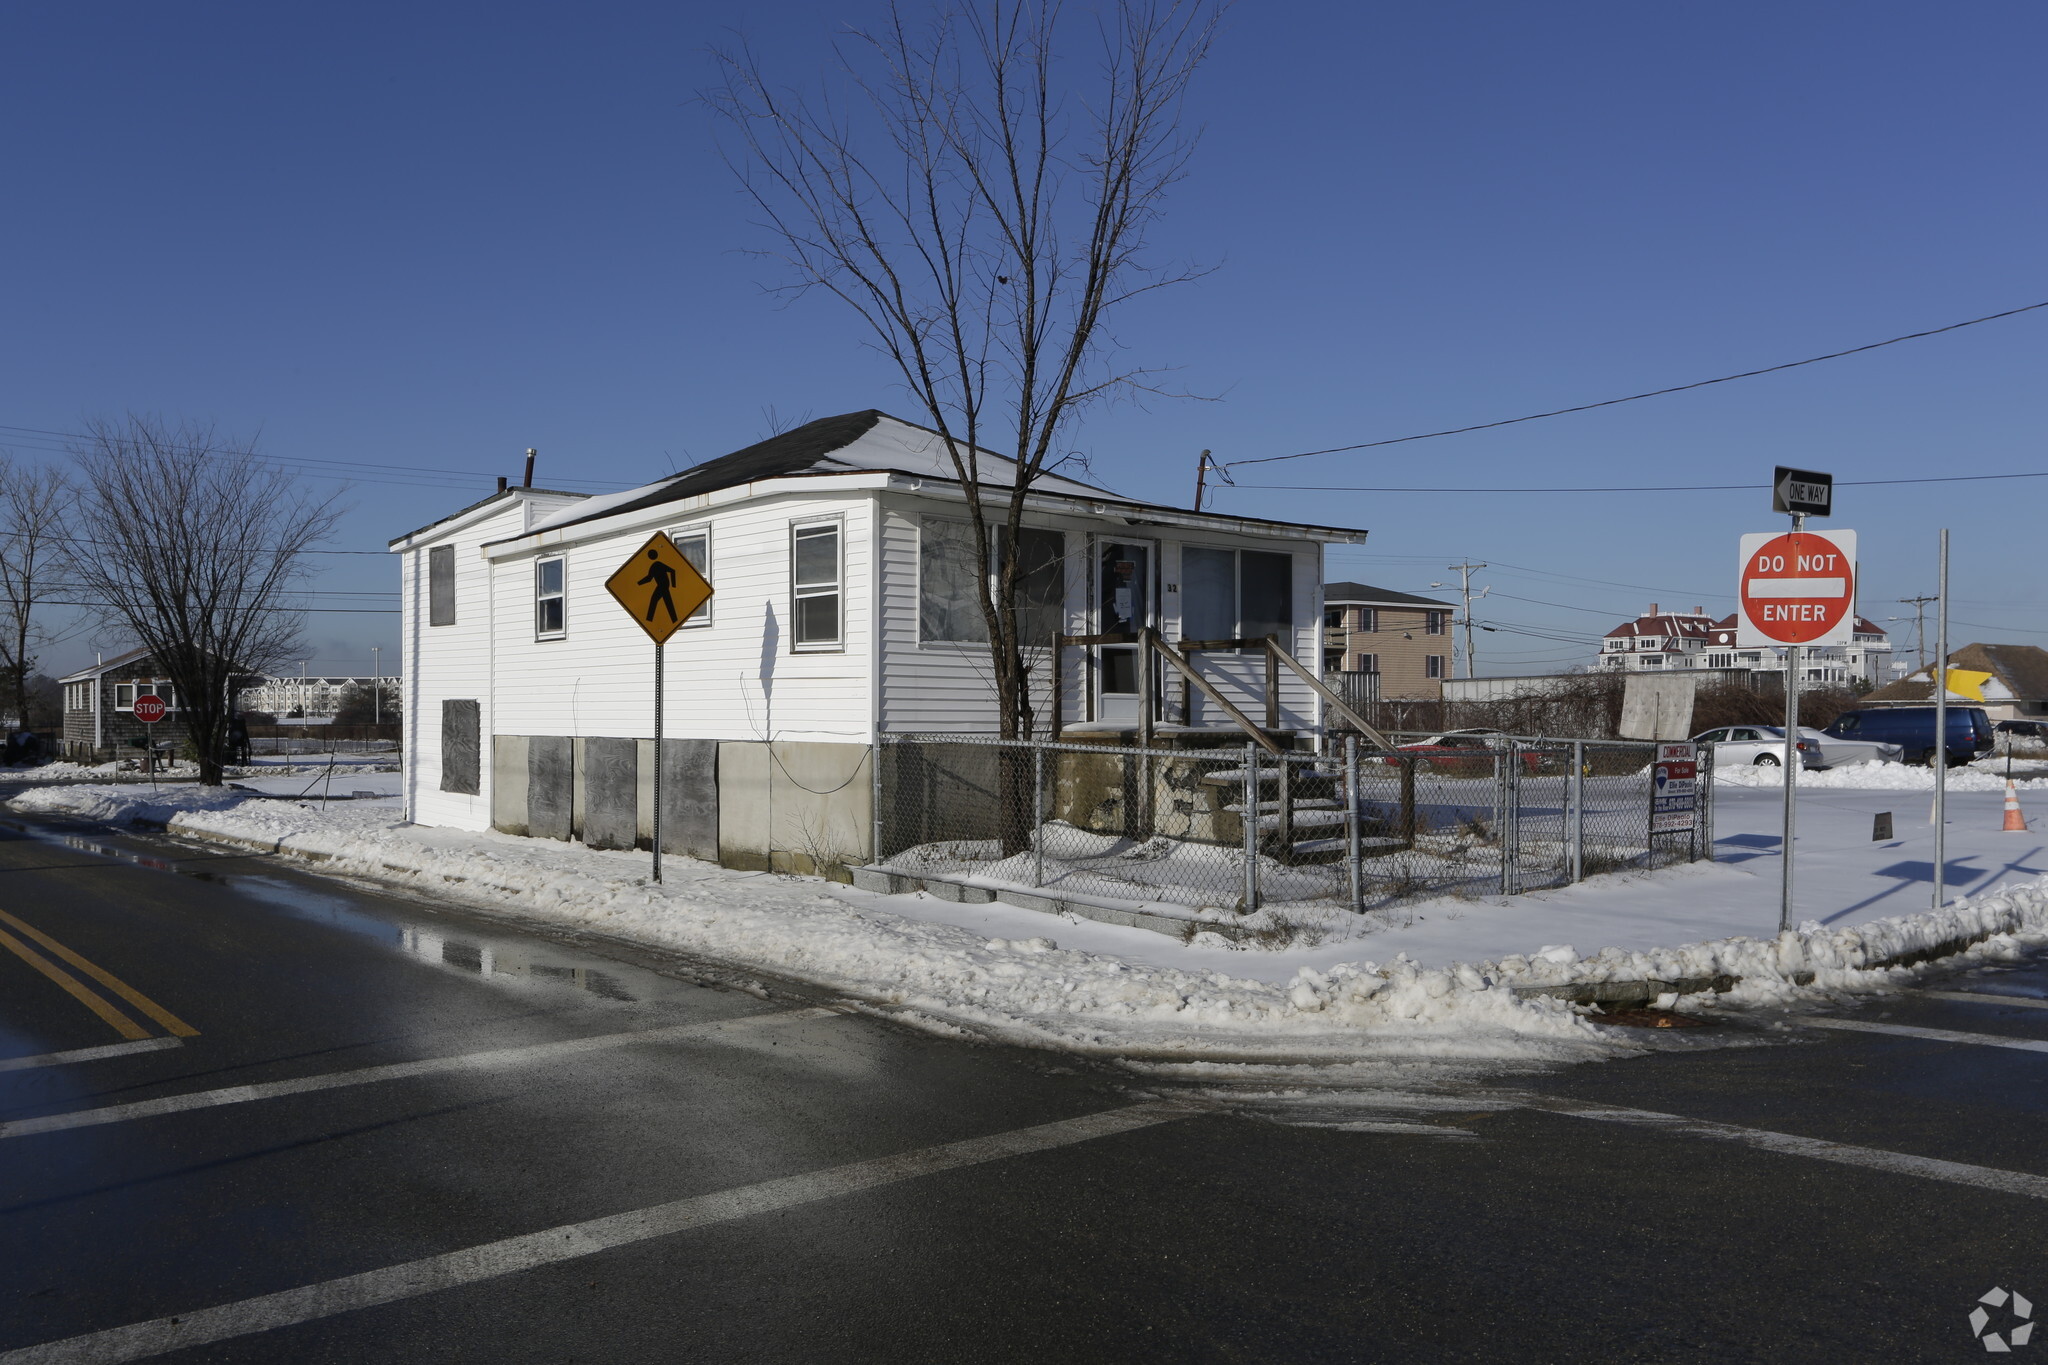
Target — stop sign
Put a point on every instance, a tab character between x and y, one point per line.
1798	588
149	710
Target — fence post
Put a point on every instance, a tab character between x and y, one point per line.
1575	814
1354	855
1251	828
1406	764
1703	814
874	798
1506	800
1038	813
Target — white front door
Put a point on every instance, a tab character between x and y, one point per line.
1124	605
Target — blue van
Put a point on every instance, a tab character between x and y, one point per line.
1912	729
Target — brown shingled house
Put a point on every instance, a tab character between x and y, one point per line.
2018	689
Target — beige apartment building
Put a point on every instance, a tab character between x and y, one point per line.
1403	638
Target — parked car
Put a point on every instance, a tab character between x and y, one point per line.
2008	732
1760	745
1835	752
1462	753
1912	729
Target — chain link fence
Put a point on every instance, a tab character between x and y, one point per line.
1237	827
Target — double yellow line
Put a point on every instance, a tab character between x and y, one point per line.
83	993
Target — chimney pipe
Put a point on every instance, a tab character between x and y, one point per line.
501	483
527	482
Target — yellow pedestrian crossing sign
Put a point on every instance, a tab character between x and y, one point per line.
660	587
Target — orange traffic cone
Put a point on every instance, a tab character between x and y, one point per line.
2013	819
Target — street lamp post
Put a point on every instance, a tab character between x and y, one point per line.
377	683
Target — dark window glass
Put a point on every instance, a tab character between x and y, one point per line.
1267	596
1208	594
1041	584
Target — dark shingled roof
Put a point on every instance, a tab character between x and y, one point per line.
2023	669
801	450
1342	594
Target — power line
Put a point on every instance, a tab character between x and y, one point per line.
1635	397
1642	488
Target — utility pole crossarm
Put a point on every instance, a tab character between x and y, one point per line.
1465	571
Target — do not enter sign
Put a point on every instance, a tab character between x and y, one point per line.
1798	588
149	710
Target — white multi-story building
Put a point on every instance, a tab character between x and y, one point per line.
311	698
1660	641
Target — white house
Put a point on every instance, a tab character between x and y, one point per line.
843	610
1660	641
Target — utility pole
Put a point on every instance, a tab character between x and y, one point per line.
1465	577
1201	480
377	683
1919	606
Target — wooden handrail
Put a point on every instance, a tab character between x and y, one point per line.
1174	657
1358	722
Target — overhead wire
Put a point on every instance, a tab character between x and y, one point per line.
1635	397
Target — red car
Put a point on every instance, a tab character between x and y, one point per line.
1462	753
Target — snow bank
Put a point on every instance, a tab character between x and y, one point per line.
941	975
1027	988
1901	777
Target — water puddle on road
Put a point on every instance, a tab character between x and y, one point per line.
503	961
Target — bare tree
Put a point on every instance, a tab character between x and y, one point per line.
31	554
188	541
984	218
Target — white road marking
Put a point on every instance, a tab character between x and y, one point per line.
1985	998
1937	1035
1846	1154
89	1054
430	1066
514	1254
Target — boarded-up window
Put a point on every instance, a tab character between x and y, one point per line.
461	747
441	586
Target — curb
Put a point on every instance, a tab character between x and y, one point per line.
886	882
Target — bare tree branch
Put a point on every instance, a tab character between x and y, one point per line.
983	217
192	544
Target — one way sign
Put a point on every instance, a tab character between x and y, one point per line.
1802	491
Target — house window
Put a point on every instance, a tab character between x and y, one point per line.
1617	644
696	547
1368	619
1433	624
1434	665
1365	663
949	585
1333	618
78	696
550	600
1654	661
814	586
1236	594
441	586
126	693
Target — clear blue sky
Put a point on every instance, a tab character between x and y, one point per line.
431	235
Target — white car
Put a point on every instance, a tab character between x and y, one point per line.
1764	746
1836	752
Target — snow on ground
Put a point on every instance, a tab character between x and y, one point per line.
1426	980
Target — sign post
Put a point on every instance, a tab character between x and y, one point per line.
1797	589
150	710
661	589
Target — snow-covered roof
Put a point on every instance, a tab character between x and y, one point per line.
856	442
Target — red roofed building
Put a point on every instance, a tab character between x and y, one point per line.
1661	641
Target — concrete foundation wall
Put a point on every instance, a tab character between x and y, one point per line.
790	806
508	783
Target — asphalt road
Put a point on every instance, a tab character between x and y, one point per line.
276	1118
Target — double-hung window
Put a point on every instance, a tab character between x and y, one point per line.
1365	663
814	579
1236	594
1433	622
696	547
550	599
126	693
1368	620
1434	665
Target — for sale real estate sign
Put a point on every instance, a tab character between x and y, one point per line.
1674	789
1797	588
